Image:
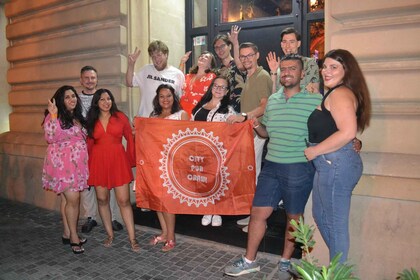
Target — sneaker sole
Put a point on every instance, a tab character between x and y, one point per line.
251	270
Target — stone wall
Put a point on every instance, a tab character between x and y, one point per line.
64	36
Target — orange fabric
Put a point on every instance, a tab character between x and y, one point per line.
197	167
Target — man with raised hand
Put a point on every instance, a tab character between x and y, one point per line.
150	76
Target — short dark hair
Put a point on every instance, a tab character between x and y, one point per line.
88	68
222	37
295	57
249	45
290	30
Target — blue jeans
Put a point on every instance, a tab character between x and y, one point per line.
336	175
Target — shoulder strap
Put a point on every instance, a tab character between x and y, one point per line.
326	95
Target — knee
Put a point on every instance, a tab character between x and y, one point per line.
124	202
103	201
259	214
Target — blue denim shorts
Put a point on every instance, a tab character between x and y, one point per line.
291	183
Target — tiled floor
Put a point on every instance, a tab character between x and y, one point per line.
30	248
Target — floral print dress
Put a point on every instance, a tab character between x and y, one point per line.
66	162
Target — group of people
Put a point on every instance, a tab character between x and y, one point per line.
85	149
310	146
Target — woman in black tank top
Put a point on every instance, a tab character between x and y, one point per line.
345	110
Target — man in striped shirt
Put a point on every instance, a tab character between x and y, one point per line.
286	174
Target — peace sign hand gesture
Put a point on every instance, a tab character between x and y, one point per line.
132	58
52	108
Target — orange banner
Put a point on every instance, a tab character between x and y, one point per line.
186	167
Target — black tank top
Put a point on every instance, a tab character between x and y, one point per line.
321	123
201	114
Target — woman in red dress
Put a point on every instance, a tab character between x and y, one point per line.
197	81
109	163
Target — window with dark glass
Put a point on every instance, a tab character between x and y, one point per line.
238	10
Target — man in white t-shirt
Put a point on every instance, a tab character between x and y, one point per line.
151	76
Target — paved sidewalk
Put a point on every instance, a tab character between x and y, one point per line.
31	248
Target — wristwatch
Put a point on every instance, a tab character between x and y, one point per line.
245	116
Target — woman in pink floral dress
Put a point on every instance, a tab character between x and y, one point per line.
65	169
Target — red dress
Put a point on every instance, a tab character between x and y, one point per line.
109	163
193	91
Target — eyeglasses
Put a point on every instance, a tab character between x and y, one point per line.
217	87
221	47
249	56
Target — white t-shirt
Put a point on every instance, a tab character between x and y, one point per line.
86	102
148	79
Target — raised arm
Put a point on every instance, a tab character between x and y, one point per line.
233	37
184	60
273	63
131	61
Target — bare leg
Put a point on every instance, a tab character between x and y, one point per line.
66	229
256	230
102	195
72	201
170	225
162	223
289	240
122	195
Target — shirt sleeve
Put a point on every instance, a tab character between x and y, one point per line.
52	130
311	71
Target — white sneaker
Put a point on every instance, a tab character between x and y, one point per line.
243	222
216	221
206	220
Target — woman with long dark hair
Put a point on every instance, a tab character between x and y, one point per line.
166	106
345	110
109	163
65	170
214	107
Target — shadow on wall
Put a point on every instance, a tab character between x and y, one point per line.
20	180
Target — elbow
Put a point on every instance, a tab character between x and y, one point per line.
349	135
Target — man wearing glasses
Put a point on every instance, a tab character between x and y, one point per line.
255	92
151	76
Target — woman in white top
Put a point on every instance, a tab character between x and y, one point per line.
214	107
166	106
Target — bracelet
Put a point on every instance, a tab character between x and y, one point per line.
256	126
273	73
53	116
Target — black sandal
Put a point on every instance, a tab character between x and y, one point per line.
80	249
